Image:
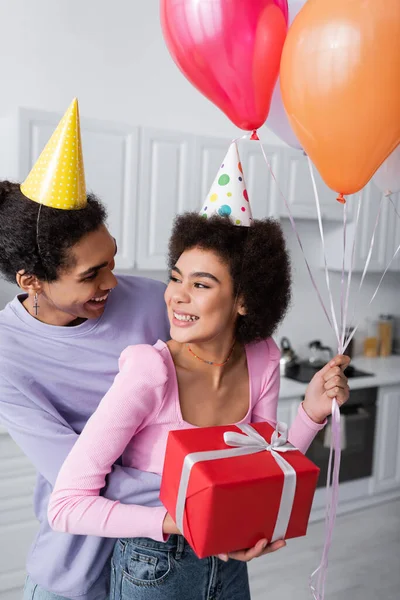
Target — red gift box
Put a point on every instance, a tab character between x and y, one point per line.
226	496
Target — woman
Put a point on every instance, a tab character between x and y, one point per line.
229	289
60	339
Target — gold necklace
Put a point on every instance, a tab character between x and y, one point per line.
210	362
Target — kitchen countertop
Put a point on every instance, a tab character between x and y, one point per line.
386	371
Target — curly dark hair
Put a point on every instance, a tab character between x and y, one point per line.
57	232
258	261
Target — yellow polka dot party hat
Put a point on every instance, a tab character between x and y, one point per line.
228	194
57	179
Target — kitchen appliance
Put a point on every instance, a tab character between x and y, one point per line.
319	354
288	356
350	345
358	419
304	370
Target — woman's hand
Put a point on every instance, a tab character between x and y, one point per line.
262	547
169	526
328	383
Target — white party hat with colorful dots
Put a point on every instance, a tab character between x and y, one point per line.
57	179
228	194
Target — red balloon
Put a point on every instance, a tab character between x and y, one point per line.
229	50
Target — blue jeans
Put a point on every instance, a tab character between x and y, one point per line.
143	569
32	591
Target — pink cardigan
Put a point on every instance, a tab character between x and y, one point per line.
133	420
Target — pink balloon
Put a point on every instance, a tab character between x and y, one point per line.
283	5
277	119
387	177
229	50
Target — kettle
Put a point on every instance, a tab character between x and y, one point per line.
319	354
288	357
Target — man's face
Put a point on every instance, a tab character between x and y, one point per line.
81	291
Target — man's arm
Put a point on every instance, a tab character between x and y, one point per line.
46	439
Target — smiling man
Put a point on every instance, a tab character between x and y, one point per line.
82	289
60	341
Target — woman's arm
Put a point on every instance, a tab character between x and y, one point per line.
303	429
46	439
134	400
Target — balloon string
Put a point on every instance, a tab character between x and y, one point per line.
296	234
321	230
367	262
342	283
393	204
246	136
373	295
318	590
349	274
332	496
332	484
41	256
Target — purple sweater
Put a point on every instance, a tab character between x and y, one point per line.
51	381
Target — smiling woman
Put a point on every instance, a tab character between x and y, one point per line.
250	272
229	288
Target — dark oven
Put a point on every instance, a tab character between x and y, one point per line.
358	425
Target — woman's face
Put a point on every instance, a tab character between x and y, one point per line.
82	290
200	298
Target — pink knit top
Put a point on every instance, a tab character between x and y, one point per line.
133	420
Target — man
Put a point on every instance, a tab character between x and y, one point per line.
60	341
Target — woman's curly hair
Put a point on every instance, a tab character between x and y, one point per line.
41	247
258	262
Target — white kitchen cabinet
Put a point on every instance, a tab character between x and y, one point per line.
370	202
146	176
263	191
166	188
209	154
17	521
296	184
111	168
386	471
284	413
177	171
384	237
394	234
287	410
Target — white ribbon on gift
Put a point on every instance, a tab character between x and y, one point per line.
248	442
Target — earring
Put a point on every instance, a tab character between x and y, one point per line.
35	304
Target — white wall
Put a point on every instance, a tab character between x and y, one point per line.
112	56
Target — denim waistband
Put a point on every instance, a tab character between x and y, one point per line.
174	543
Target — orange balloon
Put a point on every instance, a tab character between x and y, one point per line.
340	82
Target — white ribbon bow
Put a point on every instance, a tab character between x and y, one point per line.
248	442
251	438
